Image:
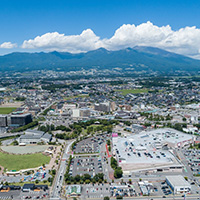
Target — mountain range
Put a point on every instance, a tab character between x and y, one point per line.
137	58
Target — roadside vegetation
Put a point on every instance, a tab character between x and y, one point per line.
85	178
117	170
9	137
23	128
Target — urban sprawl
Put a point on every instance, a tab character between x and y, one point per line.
99	135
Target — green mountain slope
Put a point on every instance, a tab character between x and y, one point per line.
138	58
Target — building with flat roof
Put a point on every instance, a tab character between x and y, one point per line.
150	151
104	107
3	121
20	120
84	112
28	187
178	184
34	137
76	113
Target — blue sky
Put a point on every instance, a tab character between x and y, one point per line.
26	19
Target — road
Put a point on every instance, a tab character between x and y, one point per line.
4	135
188	171
38	115
192	197
55	194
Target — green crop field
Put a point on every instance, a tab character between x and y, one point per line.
6	110
17	162
134	91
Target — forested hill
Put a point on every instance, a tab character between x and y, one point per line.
137	58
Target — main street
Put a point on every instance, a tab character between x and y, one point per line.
55	194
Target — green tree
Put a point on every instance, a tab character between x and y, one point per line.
118	172
86	177
77	178
87	181
113	163
15	142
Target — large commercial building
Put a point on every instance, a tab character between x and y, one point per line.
150	151
15	120
20	120
34	137
178	184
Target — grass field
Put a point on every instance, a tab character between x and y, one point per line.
6	110
77	96
134	91
17	162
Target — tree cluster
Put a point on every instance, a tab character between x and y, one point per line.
85	178
23	128
117	170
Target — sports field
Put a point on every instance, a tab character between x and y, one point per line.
6	110
133	91
24	149
17	162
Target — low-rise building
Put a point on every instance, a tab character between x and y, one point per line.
34	137
73	190
178	184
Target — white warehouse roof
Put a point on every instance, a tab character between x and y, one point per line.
177	181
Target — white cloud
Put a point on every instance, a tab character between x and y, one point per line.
7	45
86	41
184	41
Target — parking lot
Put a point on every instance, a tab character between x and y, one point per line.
90	145
85	165
19	195
165	188
193	159
122	190
95	191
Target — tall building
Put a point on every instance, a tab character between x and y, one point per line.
112	106
3	121
104	107
84	112
76	113
21	120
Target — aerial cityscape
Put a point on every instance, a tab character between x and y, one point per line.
99	100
